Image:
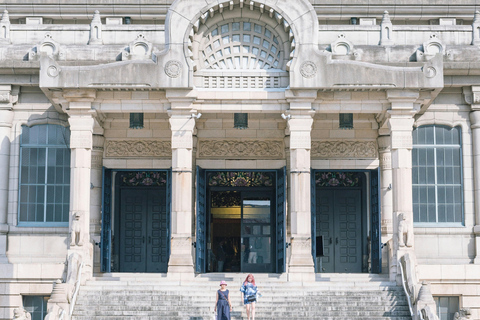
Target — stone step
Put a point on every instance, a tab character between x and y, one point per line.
153	296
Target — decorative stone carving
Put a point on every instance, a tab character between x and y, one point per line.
344	149
5	28
173	68
73	267
308	69
240	149
405	232
138	49
341	46
96	29
21	314
430	49
54	312
76	233
386	30
138	148
48	47
462	314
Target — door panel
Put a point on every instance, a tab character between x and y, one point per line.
325	214
143	230
339	222
133	228
157	250
348	255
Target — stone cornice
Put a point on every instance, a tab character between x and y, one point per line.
344	149
138	148
240	149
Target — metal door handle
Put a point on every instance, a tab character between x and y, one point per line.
336	241
331	240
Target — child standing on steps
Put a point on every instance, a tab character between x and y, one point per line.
223	307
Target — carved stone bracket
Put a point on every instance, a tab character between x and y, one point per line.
344	149
138	148
241	149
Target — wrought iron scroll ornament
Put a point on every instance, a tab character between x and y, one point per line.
143	178
240	179
337	179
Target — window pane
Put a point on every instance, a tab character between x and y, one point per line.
45	160
36	306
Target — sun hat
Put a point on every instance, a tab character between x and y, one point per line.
223	283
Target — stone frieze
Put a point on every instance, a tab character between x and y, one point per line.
344	149
138	148
240	149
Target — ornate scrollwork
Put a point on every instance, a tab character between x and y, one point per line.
338	179
138	148
244	149
143	178
344	149
240	179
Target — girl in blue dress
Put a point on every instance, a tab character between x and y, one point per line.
249	289
223	305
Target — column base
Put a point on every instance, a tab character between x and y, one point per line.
300	266
476	230
181	261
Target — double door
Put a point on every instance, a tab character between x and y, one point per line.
338	221
143	229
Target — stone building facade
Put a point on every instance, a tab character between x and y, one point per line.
151	137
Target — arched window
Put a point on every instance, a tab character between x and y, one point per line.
241	45
44	195
437	175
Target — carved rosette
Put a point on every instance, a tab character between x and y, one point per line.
240	149
173	68
308	69
344	149
138	148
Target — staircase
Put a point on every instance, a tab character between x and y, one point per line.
153	296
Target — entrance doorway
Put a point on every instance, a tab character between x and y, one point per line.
339	222
241	231
142	229
240	221
346	221
135	221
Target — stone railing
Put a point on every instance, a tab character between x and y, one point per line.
62	300
420	299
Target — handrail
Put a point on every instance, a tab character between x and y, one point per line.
77	288
404	280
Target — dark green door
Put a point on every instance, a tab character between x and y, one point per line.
143	230
339	222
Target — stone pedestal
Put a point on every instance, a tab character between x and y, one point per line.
181	262
300	264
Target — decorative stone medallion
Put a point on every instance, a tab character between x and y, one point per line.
430	72
308	69
52	71
173	68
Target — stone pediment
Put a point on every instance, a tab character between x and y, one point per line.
306	66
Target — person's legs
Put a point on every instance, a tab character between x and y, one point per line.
252	310
248	310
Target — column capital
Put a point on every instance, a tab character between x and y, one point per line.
403	99
299	127
300	99
8	96
471	95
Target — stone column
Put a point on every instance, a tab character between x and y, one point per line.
7	99
81	128
182	125
475	125
400	122
300	265
96	192
385	156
